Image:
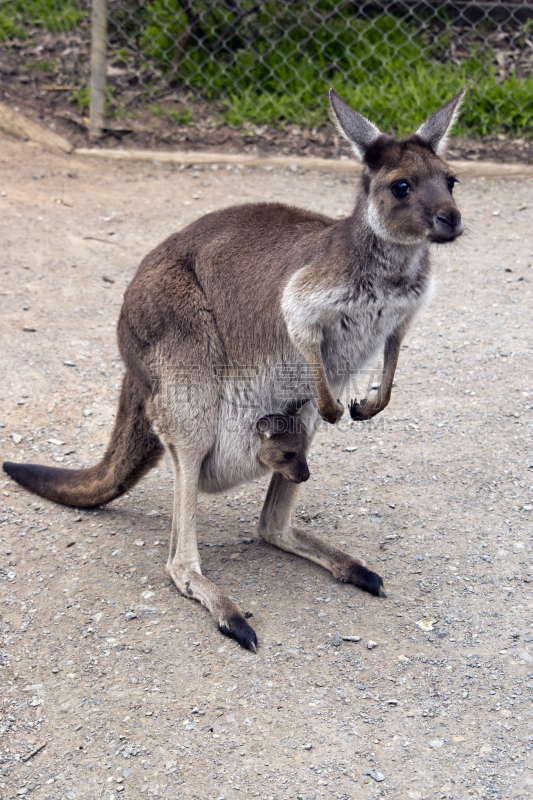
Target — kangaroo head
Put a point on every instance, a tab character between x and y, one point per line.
284	443
407	185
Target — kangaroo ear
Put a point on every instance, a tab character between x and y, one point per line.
294	407
360	132
301	408
265	428
436	129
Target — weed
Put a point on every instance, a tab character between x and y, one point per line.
43	65
81	97
183	116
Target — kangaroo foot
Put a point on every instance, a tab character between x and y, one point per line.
229	617
237	627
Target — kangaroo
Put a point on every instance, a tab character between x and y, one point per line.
221	316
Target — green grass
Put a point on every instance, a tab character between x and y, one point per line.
277	64
183	116
42	65
16	16
386	68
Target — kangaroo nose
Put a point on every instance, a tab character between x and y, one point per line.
305	475
450	217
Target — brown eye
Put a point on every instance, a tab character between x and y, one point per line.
288	456
451	183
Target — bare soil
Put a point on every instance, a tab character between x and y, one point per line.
129	686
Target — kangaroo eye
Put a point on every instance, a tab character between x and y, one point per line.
288	456
400	188
451	183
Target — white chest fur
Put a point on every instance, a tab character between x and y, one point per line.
352	318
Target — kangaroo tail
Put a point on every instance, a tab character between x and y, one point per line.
133	450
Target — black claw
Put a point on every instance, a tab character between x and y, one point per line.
237	628
354	411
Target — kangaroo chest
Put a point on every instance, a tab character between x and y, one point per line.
357	330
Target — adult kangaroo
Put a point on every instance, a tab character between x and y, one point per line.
216	313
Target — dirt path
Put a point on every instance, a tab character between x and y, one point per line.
131	687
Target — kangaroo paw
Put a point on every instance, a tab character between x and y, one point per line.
237	627
332	412
356	411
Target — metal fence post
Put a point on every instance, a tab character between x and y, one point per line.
98	68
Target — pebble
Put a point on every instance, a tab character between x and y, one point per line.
350	449
436	743
139	542
337	640
17	438
130	615
352	638
370	645
526	656
68	363
308	746
377	776
87	412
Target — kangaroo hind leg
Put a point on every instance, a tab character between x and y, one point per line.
183	564
275	526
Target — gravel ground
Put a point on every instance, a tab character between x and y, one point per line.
130	686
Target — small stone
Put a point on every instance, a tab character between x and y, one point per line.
350	449
377	520
377	776
436	743
29	329
370	645
139	542
528	638
68	363
17	438
514	635
392	702
87	412
308	746
129	615
337	640
526	656
352	638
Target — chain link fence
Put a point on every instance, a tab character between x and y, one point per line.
268	61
